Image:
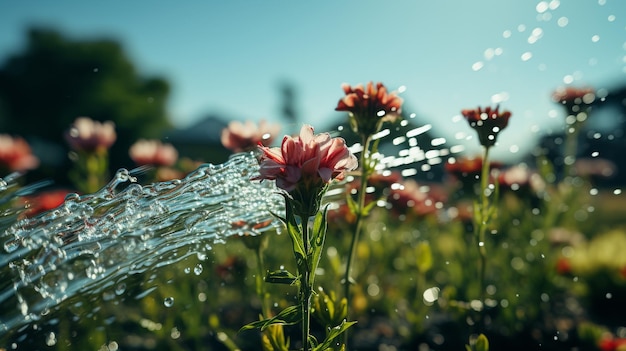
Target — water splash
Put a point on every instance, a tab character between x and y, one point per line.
95	241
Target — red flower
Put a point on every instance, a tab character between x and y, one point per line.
468	167
43	202
609	343
306	159
15	155
411	198
574	99
563	266
369	107
153	152
89	135
239	137
487	123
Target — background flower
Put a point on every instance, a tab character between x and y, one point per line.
239	137
89	135
369	107
487	122
16	155
153	152
574	99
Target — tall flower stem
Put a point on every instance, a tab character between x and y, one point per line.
305	288
483	221
571	149
260	288
360	215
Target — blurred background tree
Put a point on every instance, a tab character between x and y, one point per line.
56	79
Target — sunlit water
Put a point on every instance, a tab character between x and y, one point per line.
97	241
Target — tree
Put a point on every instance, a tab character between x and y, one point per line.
54	80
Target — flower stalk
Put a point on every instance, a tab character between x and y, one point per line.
303	167
359	212
483	220
368	108
488	123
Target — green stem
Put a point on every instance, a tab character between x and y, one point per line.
571	148
482	224
360	206
260	287
305	286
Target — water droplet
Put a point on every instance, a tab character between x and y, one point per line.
431	295
175	333
617	191
168	301
197	270
554	4
51	339
526	56
542	6
611	18
595	38
120	289
477	66
562	22
609	296
187	270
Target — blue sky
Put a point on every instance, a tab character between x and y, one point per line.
229	57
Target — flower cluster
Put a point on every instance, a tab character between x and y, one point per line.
369	107
16	155
239	137
487	122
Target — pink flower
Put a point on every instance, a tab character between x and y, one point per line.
153	152
308	160
16	155
89	135
239	137
369	107
520	177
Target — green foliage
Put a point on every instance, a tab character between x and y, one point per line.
56	79
289	316
480	344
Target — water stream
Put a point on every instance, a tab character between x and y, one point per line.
96	241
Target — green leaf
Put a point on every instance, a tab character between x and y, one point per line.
424	257
295	233
281	277
317	244
351	203
289	316
334	332
482	343
368	208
